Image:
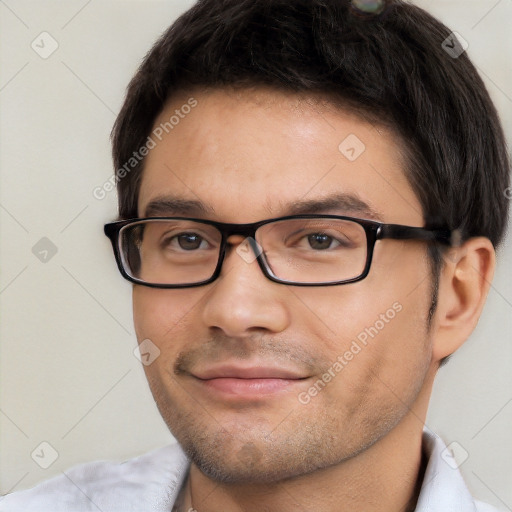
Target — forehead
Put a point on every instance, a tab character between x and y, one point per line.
243	156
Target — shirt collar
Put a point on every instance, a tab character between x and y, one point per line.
443	487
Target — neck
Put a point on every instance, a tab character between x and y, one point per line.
385	477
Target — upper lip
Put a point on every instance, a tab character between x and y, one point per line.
246	372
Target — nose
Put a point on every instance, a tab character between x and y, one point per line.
242	300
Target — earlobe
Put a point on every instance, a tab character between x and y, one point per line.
463	286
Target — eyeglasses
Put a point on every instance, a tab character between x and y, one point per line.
301	250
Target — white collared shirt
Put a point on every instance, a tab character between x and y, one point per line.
152	482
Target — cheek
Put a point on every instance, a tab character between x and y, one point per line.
166	318
335	317
160	314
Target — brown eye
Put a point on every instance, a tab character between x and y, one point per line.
189	241
320	241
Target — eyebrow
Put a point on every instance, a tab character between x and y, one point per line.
341	203
170	205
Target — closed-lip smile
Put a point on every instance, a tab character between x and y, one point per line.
247	372
247	380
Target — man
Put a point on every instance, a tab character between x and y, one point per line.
310	197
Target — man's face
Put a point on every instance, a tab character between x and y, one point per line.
257	380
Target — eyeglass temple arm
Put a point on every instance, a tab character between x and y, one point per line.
396	232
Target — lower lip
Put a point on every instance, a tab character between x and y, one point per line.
249	387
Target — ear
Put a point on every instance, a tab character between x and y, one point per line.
463	286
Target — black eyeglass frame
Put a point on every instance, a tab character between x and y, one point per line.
374	231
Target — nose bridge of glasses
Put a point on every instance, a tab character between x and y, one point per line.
240	239
237	234
238	230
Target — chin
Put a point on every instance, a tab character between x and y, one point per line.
247	459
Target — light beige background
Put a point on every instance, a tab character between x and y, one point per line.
68	374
